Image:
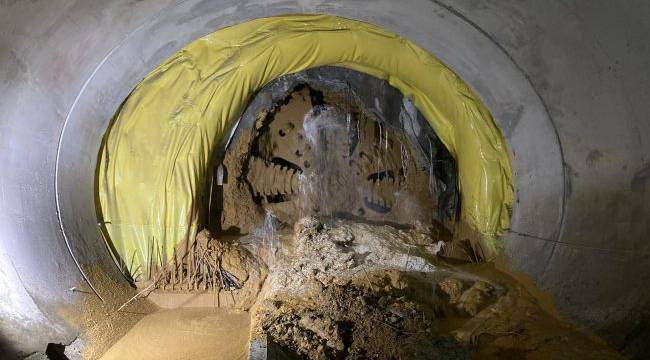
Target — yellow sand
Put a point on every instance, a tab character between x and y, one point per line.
201	333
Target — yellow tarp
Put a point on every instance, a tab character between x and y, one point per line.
154	164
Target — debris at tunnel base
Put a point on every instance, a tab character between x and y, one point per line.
354	291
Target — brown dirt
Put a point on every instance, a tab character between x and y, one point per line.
352	322
362	291
196	334
101	324
372	179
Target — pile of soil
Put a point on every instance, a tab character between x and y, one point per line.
354	291
353	322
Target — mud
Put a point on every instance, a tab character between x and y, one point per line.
320	153
357	291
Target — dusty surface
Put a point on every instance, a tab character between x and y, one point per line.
362	291
101	323
185	334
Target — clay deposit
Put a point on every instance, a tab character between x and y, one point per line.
319	152
357	291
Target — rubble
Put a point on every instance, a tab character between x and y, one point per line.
348	290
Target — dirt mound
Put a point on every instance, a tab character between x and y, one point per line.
358	291
353	322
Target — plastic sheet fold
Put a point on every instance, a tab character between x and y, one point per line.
154	164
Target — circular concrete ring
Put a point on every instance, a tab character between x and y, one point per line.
135	45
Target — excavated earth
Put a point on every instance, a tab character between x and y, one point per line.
357	291
348	290
364	272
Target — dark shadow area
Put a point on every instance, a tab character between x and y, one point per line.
7	350
55	352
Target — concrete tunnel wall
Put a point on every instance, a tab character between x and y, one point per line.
568	83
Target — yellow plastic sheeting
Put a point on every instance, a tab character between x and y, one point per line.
155	162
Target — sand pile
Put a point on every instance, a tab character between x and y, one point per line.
354	291
352	321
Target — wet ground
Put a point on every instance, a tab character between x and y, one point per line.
200	333
357	291
349	290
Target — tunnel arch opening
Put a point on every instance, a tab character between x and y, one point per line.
377	134
172	130
165	203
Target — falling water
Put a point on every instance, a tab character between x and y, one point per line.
348	119
325	131
379	149
404	156
432	189
306	193
268	242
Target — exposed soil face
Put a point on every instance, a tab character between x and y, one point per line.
320	153
359	291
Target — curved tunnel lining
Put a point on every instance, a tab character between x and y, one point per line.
174	119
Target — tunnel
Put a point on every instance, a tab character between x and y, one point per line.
546	158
